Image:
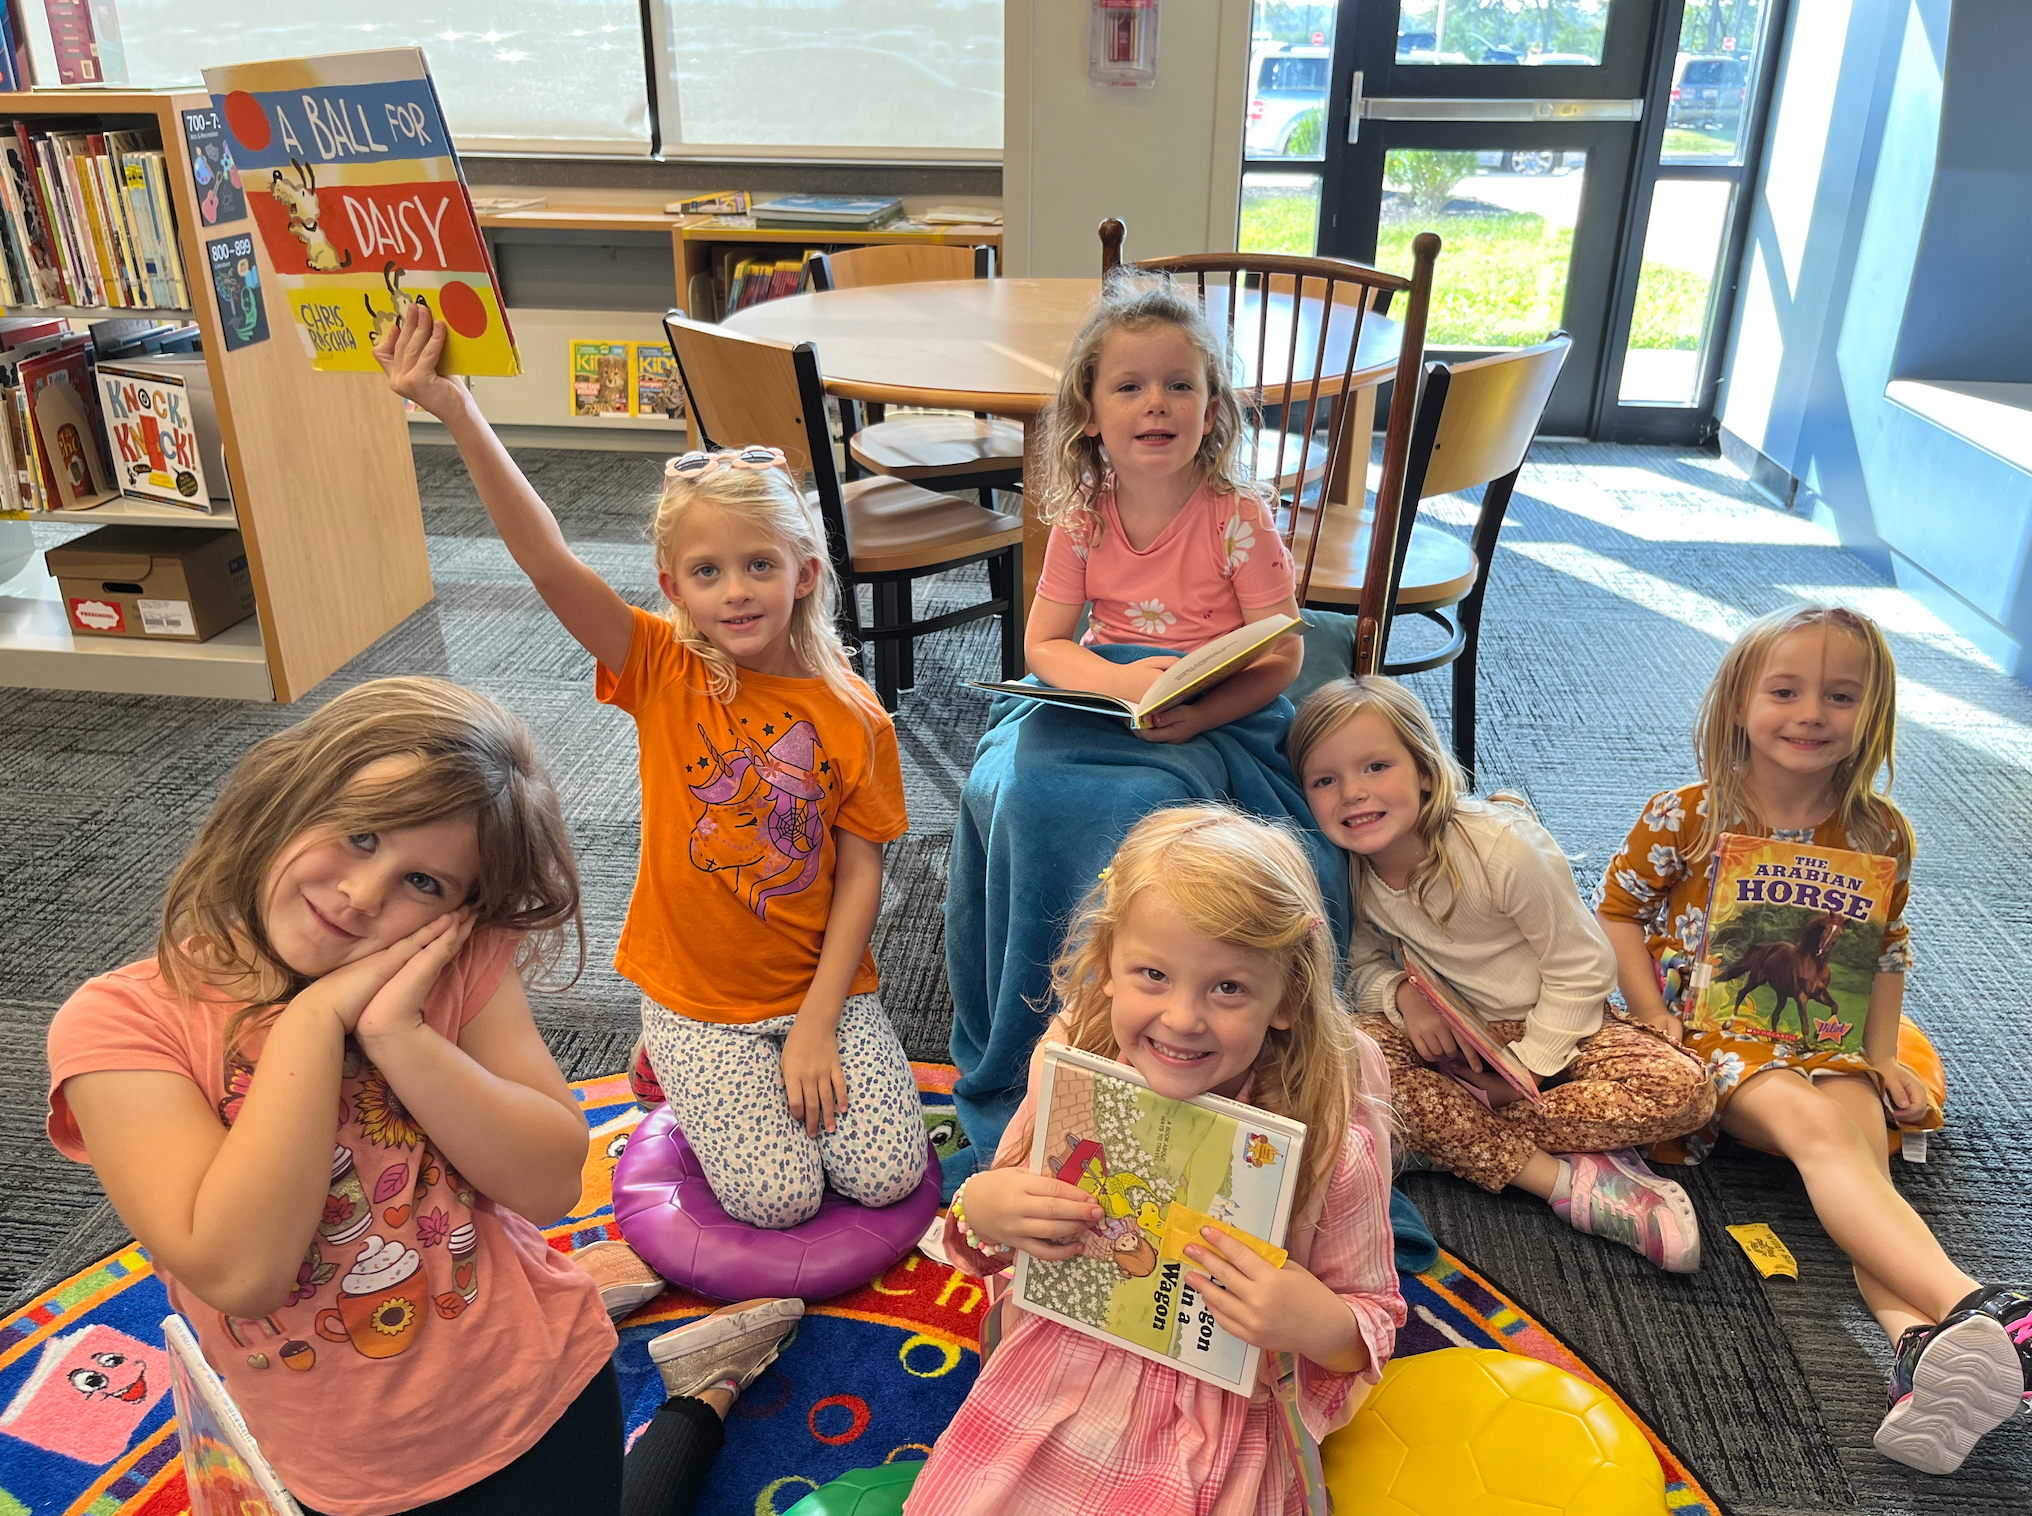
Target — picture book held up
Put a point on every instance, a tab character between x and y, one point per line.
362	206
1159	1169
1790	950
1193	675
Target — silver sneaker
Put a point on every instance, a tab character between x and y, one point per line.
735	1342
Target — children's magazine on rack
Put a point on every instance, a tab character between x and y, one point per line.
1792	940
1160	1169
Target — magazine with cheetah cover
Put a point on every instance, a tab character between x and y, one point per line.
1791	942
1160	1169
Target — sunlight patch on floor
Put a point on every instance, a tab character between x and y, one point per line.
1672	511
1995	736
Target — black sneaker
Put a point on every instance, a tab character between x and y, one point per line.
1951	1385
2012	1307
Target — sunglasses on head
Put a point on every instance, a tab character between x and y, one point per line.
696	465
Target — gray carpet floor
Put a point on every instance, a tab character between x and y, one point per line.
1622	574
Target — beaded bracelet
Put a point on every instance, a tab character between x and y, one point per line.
959	1216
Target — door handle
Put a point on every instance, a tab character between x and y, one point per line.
1355	107
1436	108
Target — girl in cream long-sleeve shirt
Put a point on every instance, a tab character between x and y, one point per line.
1485	898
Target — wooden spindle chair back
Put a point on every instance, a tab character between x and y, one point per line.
1294	328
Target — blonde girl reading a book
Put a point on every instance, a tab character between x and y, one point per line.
770	782
1799	722
1157	528
1203	961
323	1107
1484	899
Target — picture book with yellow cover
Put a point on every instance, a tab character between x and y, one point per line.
361	205
1791	942
1159	1169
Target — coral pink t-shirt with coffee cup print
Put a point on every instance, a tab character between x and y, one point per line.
432	1336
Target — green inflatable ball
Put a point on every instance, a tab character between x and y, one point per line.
879	1491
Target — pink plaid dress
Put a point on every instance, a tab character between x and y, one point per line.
1061	1423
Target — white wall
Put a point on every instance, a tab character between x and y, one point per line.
1166	160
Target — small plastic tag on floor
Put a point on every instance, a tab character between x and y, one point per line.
1912	1147
1765	1250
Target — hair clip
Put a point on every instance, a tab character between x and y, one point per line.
1102	876
1313	925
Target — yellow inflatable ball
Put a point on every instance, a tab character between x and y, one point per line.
1479	1432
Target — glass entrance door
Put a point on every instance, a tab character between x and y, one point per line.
1581	172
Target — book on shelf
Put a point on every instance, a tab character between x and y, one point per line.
848	212
960	215
657	391
16	72
87	220
714	203
1790	948
1470	1033
750	281
599	379
1159	1169
364	211
65	426
1193	675
162	425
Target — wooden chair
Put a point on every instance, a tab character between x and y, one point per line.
1303	387
934	451
1475	423
880	531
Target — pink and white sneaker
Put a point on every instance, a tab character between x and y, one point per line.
1615	1195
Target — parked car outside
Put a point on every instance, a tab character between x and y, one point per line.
1707	93
1532	161
1285	82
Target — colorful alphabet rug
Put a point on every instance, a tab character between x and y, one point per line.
872	1375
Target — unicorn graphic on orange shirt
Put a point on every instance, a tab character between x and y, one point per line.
763	813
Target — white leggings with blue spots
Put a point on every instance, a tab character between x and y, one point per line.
725	1086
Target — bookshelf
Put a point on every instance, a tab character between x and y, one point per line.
324	489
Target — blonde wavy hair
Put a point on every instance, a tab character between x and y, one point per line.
1722	748
1444	787
1075	465
771	500
1246	882
468	757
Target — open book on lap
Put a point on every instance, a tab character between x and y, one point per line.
1158	1168
1192	676
1469	1031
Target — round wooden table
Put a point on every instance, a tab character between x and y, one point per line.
997	345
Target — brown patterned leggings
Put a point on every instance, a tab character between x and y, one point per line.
1626	1087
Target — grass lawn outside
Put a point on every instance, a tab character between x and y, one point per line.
1684	145
1501	279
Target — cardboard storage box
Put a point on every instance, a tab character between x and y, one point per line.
171	583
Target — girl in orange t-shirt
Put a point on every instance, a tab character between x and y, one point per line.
325	1110
770	782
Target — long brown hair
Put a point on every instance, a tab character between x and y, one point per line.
1246	882
1722	747
1445	788
1076	465
470	758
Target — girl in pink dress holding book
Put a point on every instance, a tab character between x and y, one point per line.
1203	961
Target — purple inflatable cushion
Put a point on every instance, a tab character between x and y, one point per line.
669	1214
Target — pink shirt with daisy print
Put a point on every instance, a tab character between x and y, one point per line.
1219	565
